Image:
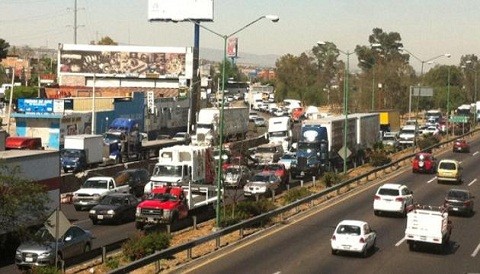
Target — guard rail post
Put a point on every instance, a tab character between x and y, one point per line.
313	181
217	242
301	183
189	254
104	254
194	217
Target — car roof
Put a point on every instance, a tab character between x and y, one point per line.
352	222
392	186
449	161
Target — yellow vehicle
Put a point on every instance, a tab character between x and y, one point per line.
449	171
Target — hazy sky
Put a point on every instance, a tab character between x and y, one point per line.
428	27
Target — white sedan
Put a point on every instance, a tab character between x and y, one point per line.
353	236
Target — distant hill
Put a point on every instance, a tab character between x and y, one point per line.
243	57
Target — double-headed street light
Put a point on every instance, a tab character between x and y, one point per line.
273	18
345	103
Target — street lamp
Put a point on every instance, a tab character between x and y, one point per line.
474	69
448	55
373	81
345	103
273	18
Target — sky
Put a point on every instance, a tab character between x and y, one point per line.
428	28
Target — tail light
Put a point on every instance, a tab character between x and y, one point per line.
334	238
377	197
467	203
399	199
362	240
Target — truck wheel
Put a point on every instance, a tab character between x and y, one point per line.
78	208
87	248
411	246
139	225
94	221
365	252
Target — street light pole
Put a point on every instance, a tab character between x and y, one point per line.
474	69
373	82
448	99
273	18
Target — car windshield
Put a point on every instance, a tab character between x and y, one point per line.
167	170
42	235
388	192
232	170
95	184
113	200
260	178
278	134
389	138
288	157
348	229
408	131
162	197
273	167
71	153
448	166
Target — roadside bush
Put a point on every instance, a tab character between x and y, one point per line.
427	141
112	262
45	270
245	210
331	178
379	158
141	245
296	194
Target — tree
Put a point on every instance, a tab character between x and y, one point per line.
22	202
104	41
3	49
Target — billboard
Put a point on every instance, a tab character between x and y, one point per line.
232	47
125	61
40	106
180	10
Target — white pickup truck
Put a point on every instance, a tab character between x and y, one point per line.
95	188
428	225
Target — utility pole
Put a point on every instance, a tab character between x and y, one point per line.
75	24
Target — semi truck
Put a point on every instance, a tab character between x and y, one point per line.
133	146
183	165
280	131
322	148
86	151
169	204
235	125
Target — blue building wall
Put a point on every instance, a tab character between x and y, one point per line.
133	109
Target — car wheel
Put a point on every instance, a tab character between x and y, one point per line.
94	221
404	212
376	212
334	252
365	252
411	246
87	248
139	225
78	208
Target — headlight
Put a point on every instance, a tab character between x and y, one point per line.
45	254
97	197
138	211
18	252
111	212
92	211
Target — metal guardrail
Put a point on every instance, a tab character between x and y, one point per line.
163	254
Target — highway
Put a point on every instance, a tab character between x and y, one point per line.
303	245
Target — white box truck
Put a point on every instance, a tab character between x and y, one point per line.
235	125
280	131
81	152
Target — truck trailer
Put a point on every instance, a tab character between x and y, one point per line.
235	125
322	146
82	151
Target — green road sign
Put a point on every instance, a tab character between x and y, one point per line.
459	119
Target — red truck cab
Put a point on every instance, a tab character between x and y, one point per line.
164	205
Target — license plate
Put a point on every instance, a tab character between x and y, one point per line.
302	173
150	219
346	247
100	217
455	209
28	259
423	238
459	148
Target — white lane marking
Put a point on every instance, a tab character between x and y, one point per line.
431	180
475	153
476	251
472	182
278	272
400	242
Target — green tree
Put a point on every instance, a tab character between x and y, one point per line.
437	78
22	202
3	48
104	41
